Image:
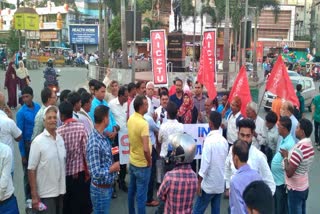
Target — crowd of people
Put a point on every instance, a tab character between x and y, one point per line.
69	151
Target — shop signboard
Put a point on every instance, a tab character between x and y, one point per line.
84	34
49	36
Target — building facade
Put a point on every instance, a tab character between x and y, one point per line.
315	27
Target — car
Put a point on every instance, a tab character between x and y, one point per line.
308	91
293	74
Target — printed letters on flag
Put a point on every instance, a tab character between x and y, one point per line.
159	57
241	89
280	84
208	63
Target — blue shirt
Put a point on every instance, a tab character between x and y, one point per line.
243	177
25	122
220	109
95	103
152	128
276	164
99	158
176	100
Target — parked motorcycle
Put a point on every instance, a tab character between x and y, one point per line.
80	62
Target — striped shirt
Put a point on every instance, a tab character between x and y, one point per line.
301	156
75	139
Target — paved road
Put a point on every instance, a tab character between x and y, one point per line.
72	78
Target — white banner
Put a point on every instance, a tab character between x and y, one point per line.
199	133
123	146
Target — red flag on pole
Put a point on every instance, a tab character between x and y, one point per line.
241	89
280	84
208	63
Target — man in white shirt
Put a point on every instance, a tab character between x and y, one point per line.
9	133
211	173
259	135
46	167
233	120
8	202
172	126
155	102
161	110
141	90
119	107
257	160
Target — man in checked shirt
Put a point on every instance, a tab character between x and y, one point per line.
179	185
103	170
77	197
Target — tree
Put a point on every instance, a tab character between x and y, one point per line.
151	25
12	41
260	5
144	5
114	37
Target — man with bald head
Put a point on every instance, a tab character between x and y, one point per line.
287	109
3	105
233	119
259	136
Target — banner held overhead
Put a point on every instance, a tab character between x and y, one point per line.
159	57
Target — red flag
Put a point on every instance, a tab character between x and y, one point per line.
280	84
208	63
241	89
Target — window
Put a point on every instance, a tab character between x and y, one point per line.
308	84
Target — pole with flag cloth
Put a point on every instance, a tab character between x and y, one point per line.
280	84
207	68
241	89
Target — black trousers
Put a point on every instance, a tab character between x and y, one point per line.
152	175
77	197
123	167
280	200
27	190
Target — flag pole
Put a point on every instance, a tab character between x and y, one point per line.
261	101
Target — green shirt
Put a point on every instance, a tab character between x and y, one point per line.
316	103
301	101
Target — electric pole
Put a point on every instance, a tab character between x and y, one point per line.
226	45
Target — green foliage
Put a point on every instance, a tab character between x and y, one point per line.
151	25
144	5
261	4
207	9
114	6
13	41
114	36
187	9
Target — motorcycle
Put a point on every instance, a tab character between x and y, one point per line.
55	87
4	64
80	62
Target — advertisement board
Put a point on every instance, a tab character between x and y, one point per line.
26	21
84	34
